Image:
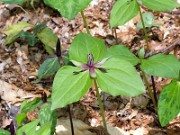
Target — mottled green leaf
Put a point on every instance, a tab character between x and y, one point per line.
123	11
160	5
121	78
11	38
84	44
166	66
46	115
69	87
20	118
123	53
30	106
4	132
45	129
169	103
48	38
30	37
148	18
68	8
14	1
48	68
15	28
28	129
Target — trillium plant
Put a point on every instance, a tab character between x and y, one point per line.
93	64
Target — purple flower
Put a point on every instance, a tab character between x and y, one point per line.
91	66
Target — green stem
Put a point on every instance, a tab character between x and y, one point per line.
100	105
85	22
144	28
150	90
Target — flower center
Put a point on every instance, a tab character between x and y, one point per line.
90	60
91	66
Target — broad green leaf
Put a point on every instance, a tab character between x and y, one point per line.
148	18
30	37
68	8
121	78
166	66
160	5
14	1
48	38
46	115
28	129
20	118
84	44
69	87
123	11
48	68
45	129
15	28
122	52
30	106
49	50
4	132
169	103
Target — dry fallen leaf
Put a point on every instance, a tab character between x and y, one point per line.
116	131
13	94
80	128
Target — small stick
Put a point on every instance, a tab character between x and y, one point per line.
71	121
154	88
166	50
171	47
115	33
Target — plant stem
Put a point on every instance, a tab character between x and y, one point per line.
85	22
144	28
154	88
100	105
71	121
144	76
150	90
115	32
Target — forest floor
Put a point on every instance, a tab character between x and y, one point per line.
19	64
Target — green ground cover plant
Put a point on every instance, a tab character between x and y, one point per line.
31	34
